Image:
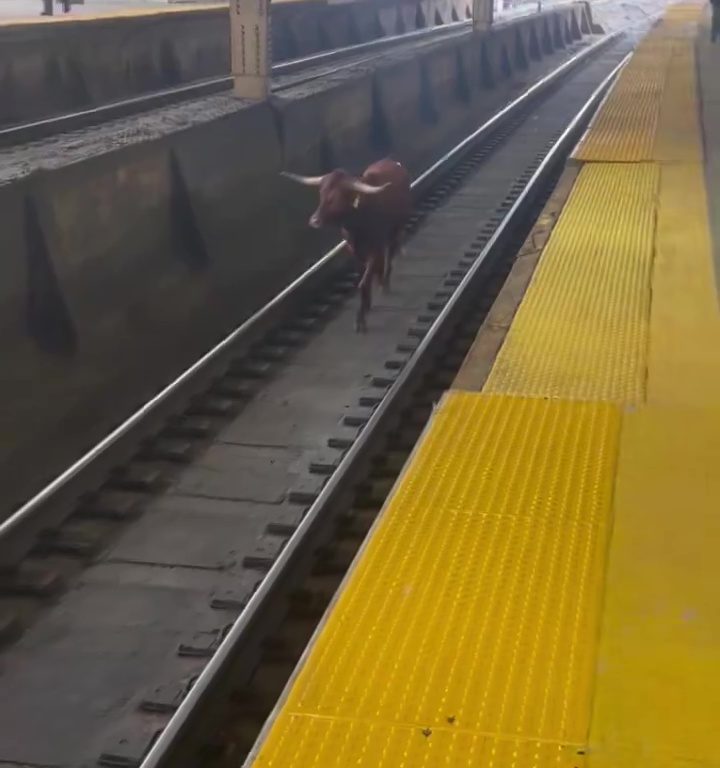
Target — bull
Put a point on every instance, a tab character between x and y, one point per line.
371	212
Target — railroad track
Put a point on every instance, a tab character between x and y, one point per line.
223	711
202	459
286	74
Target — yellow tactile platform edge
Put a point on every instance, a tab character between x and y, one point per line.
594	325
641	120
581	330
465	634
624	130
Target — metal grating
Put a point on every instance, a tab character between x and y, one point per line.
581	330
624	130
470	621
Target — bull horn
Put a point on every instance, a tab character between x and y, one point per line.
308	181
366	189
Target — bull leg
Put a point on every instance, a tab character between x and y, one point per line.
392	249
387	270
365	288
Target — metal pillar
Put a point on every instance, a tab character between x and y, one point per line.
483	12
250	53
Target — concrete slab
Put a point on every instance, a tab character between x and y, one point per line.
239	472
98	647
303	408
191	532
203	582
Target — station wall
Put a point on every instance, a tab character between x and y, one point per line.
121	269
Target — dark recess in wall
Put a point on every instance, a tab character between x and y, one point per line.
462	86
487	76
547	42
8	96
380	138
505	66
188	244
399	24
428	110
79	95
354	36
534	46
575	28
324	38
585	22
521	61
48	319
53	81
168	63
327	155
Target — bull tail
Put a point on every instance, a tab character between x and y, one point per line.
365	289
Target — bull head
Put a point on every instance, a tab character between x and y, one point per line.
334	187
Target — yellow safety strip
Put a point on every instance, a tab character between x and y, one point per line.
581	330
466	631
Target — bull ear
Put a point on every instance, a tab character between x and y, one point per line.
366	189
308	181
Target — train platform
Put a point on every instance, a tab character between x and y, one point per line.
15	12
540	587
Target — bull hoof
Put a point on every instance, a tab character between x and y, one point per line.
360	326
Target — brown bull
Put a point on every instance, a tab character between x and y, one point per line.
371	212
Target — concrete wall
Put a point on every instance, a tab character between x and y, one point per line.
51	68
121	269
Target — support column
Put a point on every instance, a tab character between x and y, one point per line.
483	12
250	51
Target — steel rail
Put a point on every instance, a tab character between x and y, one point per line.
171	746
26	522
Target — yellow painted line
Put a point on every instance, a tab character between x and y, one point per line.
684	353
678	132
466	631
581	331
658	683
